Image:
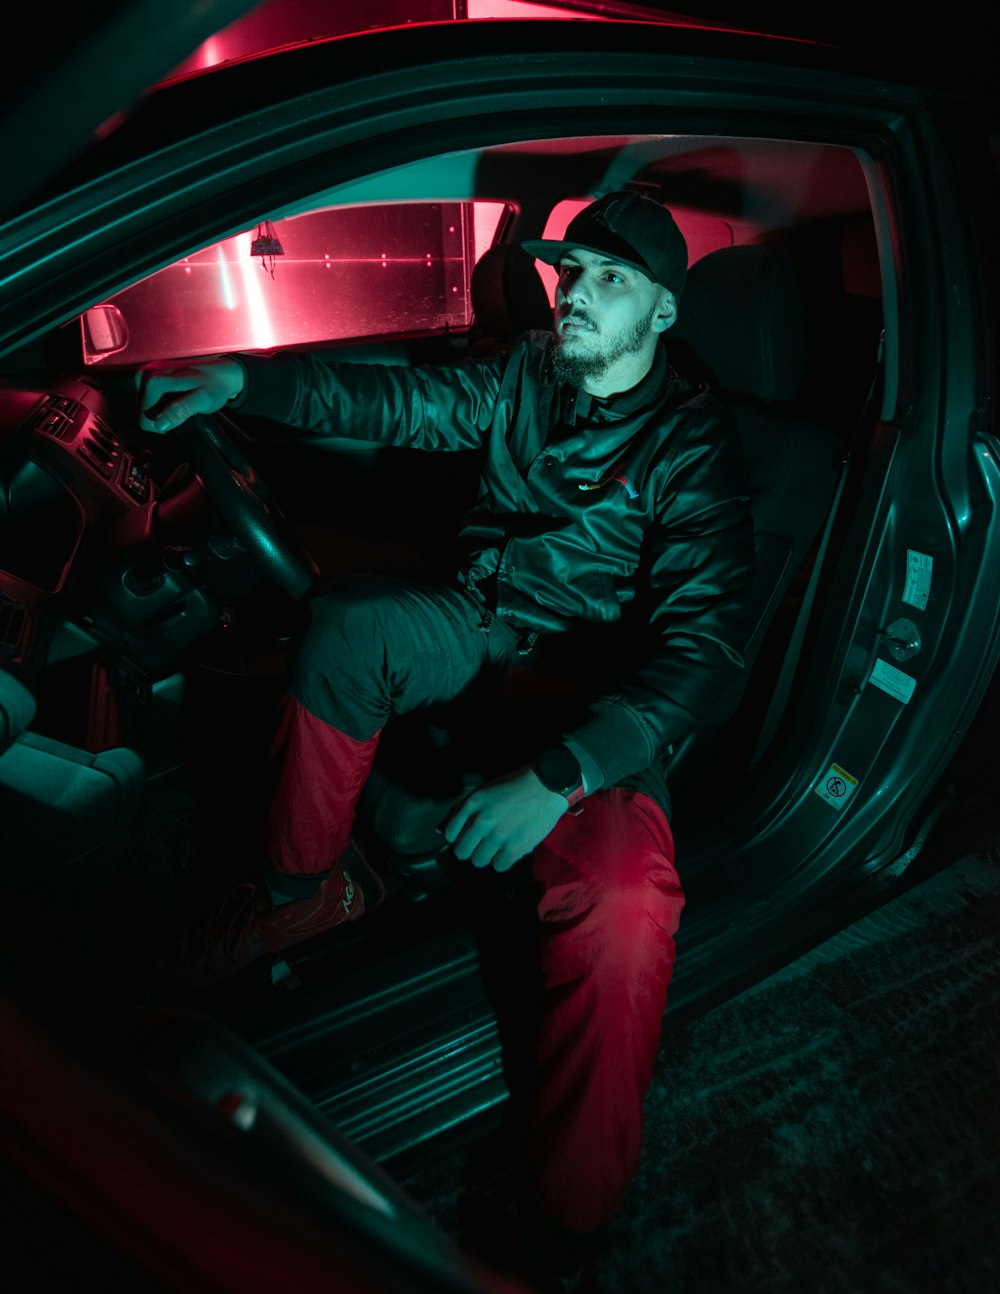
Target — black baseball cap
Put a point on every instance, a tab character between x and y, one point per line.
633	228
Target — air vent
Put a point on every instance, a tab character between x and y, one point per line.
57	416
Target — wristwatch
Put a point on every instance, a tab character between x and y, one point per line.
558	770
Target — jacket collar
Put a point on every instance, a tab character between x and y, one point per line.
582	407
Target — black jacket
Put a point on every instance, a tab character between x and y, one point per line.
622	523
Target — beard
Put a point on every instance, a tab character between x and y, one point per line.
576	367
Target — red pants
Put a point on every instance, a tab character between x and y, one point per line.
609	908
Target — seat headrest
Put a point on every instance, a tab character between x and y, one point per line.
741	313
508	295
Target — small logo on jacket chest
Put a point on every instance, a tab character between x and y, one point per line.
633	493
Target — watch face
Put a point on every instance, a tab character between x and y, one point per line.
558	770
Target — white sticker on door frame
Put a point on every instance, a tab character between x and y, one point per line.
893	680
917	589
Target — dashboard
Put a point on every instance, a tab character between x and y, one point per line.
105	542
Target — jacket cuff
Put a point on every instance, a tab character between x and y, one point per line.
614	740
270	386
593	776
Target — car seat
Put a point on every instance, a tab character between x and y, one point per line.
508	297
64	812
741	330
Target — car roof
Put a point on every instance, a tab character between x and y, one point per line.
74	81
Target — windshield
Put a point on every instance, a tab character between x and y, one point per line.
322	277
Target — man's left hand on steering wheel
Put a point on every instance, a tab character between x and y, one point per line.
182	397
169	394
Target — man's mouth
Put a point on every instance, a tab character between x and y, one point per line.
575	323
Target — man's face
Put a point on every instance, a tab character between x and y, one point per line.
607	318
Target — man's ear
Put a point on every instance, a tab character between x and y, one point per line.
666	312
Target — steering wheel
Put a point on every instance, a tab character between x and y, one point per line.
244	504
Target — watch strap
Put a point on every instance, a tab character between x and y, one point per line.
559	770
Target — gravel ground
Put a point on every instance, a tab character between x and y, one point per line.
835	1130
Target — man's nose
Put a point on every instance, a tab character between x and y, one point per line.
573	288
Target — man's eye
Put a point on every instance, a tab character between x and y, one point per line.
612	277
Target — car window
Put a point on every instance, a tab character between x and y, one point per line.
353	272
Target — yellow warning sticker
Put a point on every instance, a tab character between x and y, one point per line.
836	786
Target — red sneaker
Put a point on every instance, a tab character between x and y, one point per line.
343	896
246	927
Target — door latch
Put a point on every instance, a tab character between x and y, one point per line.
902	639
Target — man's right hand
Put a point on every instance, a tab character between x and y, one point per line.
169	394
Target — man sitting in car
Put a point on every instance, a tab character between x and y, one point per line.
612	512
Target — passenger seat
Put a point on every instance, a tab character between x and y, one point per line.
64	812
